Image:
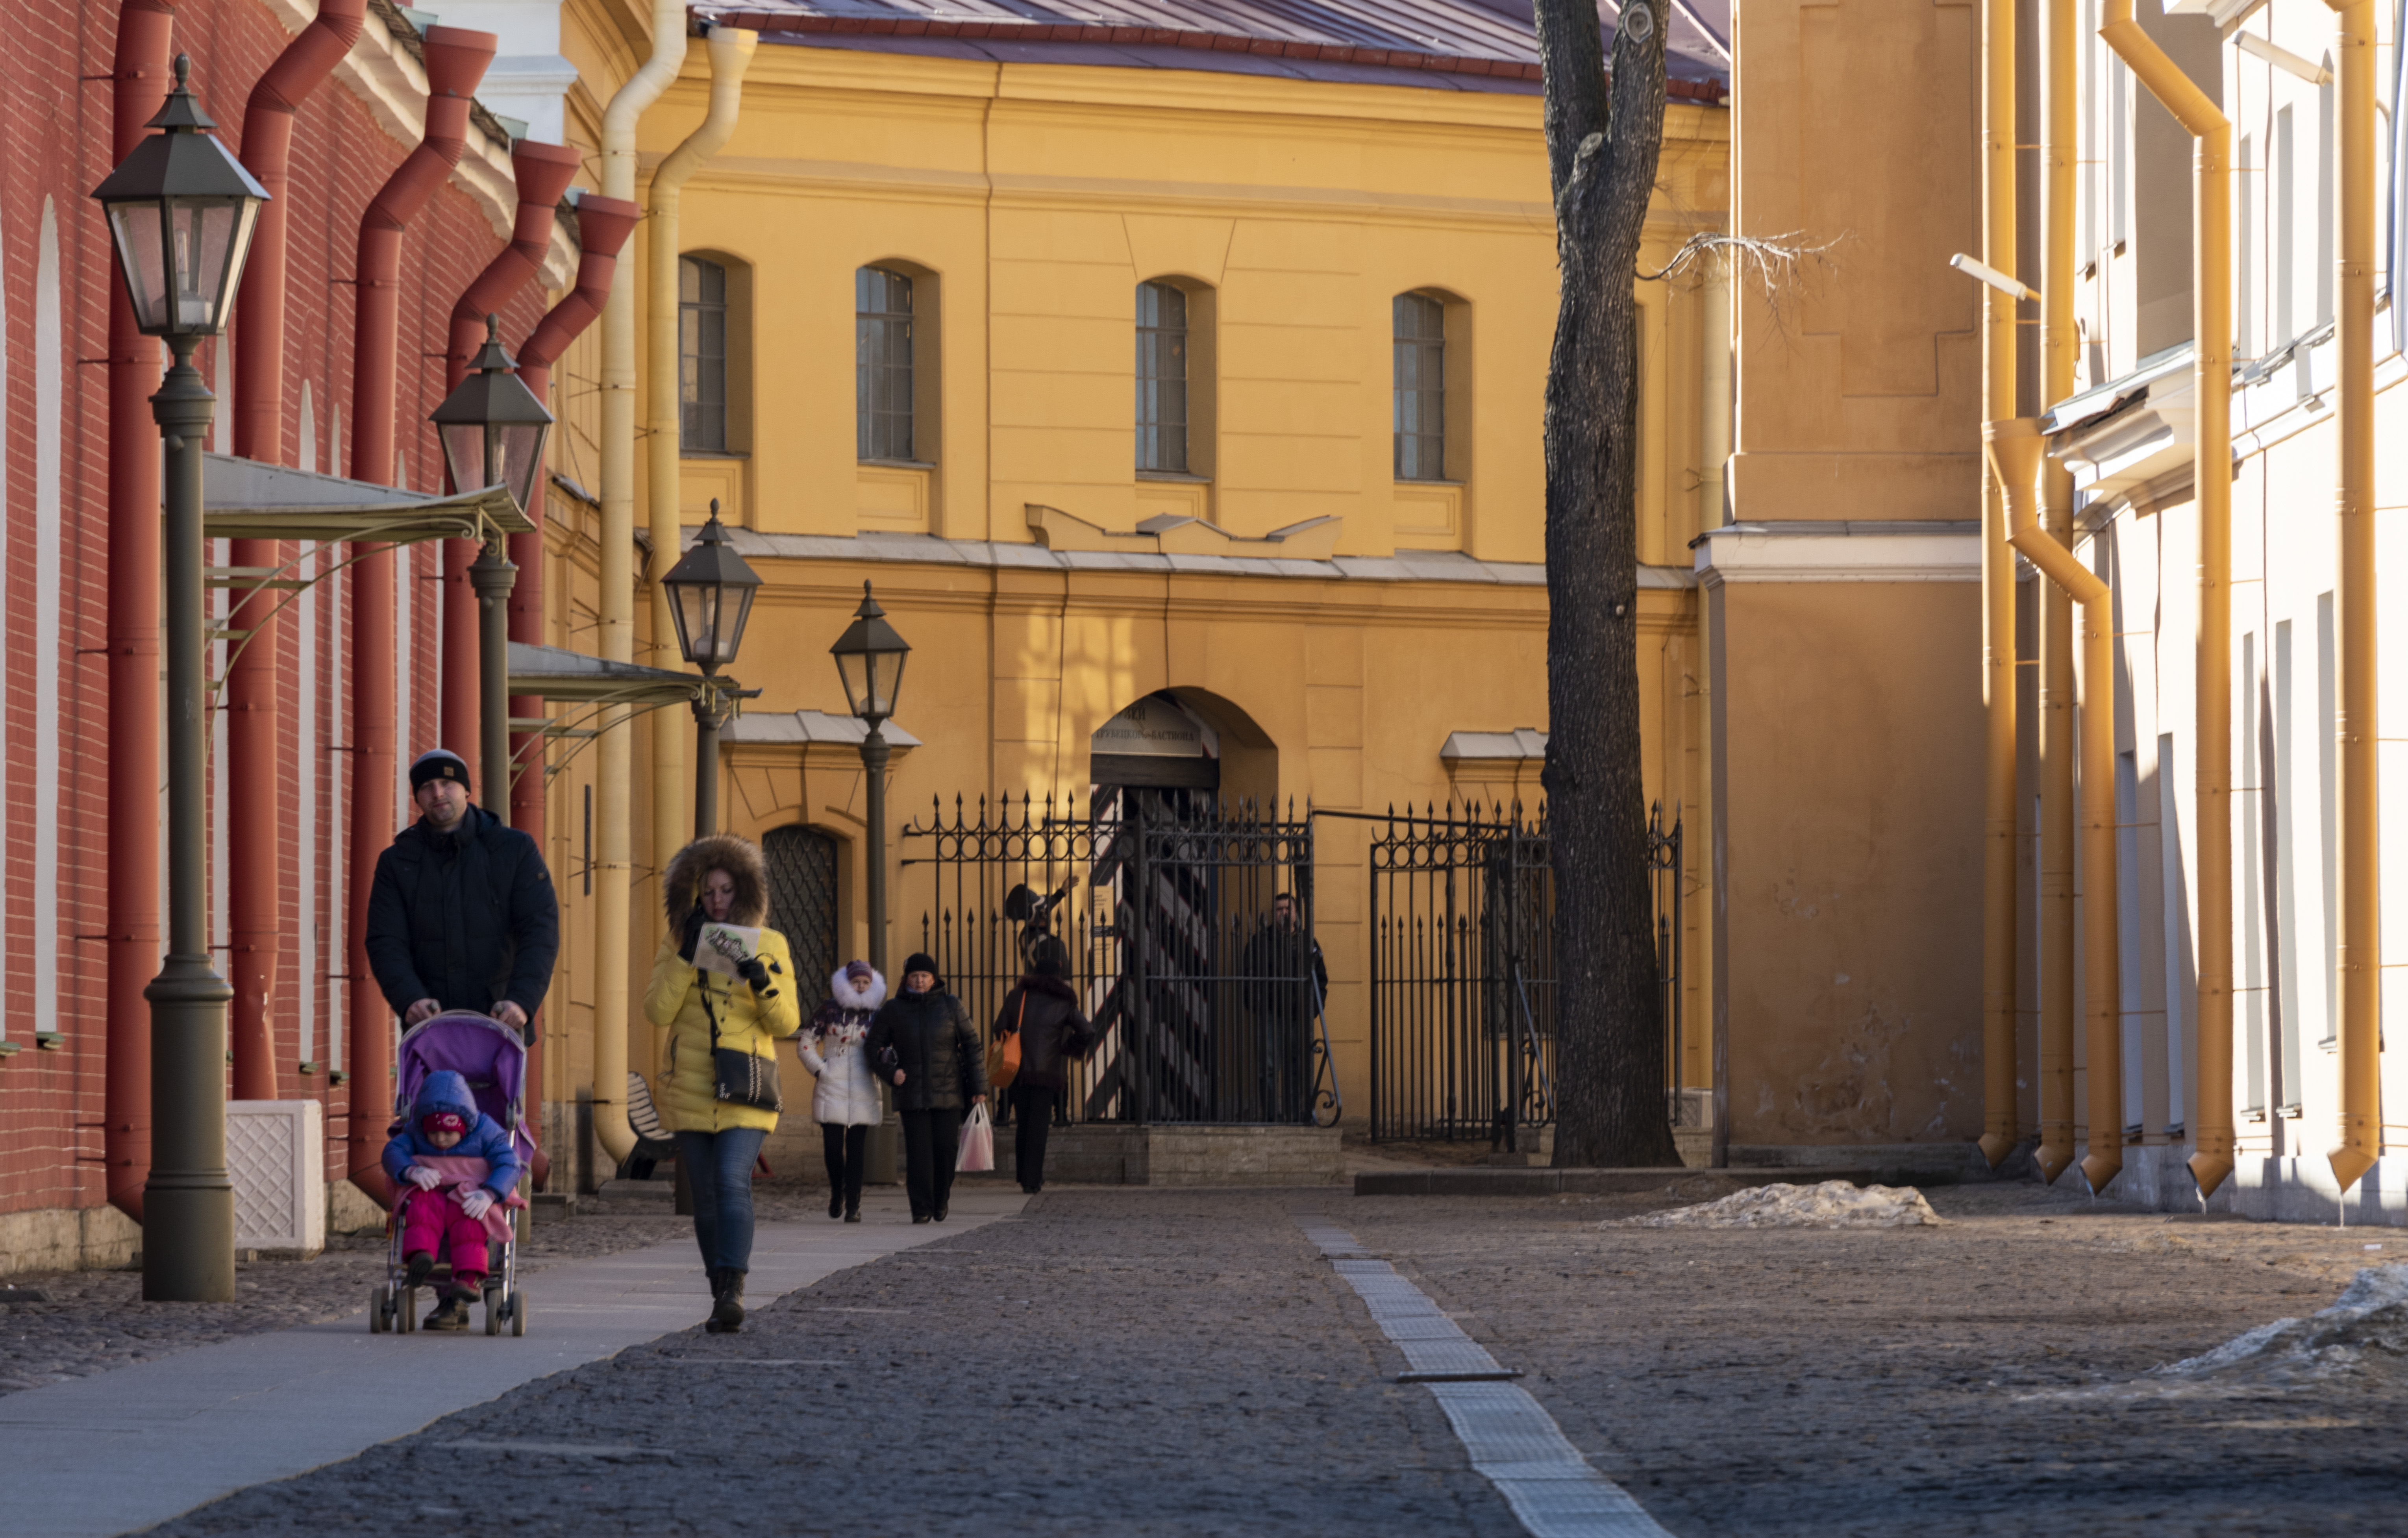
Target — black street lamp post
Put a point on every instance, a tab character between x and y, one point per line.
869	657
493	429
710	596
181	213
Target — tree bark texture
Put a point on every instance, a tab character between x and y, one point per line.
1604	133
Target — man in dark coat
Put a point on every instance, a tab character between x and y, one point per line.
1287	983
462	915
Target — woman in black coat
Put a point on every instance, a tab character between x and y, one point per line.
921	1042
1043	1012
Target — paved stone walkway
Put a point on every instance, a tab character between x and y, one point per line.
1134	1361
117	1451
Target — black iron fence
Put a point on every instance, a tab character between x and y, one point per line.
1189	930
1462	971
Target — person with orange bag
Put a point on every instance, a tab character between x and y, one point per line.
1042	1016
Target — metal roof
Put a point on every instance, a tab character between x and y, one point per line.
1480	45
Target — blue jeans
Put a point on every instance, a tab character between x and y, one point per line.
719	1172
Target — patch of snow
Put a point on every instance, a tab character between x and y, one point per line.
2368	1325
1832	1204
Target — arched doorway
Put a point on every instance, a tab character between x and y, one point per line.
1218	973
802	864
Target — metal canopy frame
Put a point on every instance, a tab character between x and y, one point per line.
573	678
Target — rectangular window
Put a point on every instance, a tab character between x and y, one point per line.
1420	388
2253	974
2120	139
2285	180
702	356
881	364
2182	985
1161	379
2328	175
2282	853
2328	809
2244	315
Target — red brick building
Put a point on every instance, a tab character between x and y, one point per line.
59	86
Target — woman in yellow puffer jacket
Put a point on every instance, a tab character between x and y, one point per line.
720	880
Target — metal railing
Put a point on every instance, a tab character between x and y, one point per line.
1208	1002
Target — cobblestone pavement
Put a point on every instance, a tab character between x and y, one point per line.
1168	1362
1922	1381
1109	1362
97	1319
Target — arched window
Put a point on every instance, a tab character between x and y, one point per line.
881	364
1161	379
1420	418
803	902
702	355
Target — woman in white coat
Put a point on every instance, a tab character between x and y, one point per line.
845	1104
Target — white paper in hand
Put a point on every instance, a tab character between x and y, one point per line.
723	946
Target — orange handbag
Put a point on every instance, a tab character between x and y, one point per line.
1006	1064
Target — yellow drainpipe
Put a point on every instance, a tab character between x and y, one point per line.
731	51
2017	461
2210	1119
613	859
2056	686
2361	1131
2001	1129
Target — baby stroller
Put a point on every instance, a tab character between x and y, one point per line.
492	1058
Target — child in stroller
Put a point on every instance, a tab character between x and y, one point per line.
456	1170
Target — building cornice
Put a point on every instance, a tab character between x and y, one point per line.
1832	551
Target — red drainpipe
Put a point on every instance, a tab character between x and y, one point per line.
603	226
138	73
256	819
543	172
455	62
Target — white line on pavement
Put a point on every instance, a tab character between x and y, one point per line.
1511	1439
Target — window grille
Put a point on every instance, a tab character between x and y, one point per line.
702	356
881	364
1161	378
1421	388
802	868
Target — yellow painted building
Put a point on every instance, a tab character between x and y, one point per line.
1059	233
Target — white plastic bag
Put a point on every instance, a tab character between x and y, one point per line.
977	1141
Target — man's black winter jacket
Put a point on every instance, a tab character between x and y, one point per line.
466	918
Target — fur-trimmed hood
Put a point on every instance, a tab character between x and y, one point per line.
845	996
740	857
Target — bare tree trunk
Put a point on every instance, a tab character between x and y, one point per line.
1603	141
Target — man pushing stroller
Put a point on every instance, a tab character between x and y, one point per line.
462	914
455	1165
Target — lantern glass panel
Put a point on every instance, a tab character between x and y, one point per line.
141	252
885	682
522	453
695	606
206	241
853	667
464	455
736	608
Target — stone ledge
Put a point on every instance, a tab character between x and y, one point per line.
67	1239
1102	1153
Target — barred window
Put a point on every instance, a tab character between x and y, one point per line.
702	356
1161	378
1421	388
881	364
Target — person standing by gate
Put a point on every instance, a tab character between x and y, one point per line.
719	1085
1286	985
922	1041
845	1103
461	914
1043	1012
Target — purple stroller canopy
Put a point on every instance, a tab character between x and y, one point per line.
481	1050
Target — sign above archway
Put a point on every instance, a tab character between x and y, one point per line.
1156	742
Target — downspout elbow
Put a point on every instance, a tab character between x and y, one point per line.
542	172
731	53
603	226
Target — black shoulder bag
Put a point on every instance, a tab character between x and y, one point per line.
737	1076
